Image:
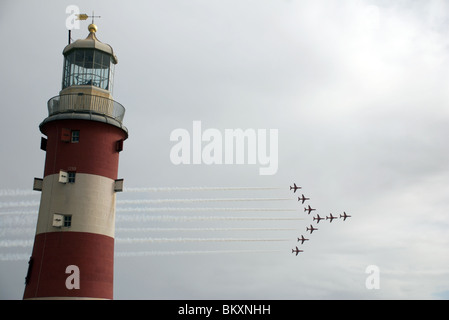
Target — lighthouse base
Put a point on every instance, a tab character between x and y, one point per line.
71	265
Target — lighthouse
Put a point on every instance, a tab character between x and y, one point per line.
73	252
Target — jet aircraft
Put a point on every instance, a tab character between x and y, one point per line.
294	188
302	239
297	250
344	216
303	199
311	229
331	217
308	209
317	218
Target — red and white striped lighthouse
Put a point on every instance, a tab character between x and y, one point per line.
73	253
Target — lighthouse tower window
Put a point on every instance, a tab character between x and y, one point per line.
75	136
71	177
67	221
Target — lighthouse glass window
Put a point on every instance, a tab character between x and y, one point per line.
67	221
75	136
71	177
88	67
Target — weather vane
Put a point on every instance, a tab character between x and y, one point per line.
84	16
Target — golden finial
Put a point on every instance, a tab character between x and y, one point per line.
92	28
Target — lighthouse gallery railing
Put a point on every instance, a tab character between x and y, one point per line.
80	102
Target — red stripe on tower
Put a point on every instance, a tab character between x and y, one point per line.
73	252
94	152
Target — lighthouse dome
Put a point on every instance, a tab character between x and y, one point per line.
91	42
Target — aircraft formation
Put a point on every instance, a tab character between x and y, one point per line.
309	209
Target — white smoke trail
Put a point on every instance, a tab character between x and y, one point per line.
171	189
16	221
17	192
159	240
21	224
190	209
199	229
158	201
127	254
14	256
19	204
29	243
144	218
15	243
27	192
10	204
16	213
14	231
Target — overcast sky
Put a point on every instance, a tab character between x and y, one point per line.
358	91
